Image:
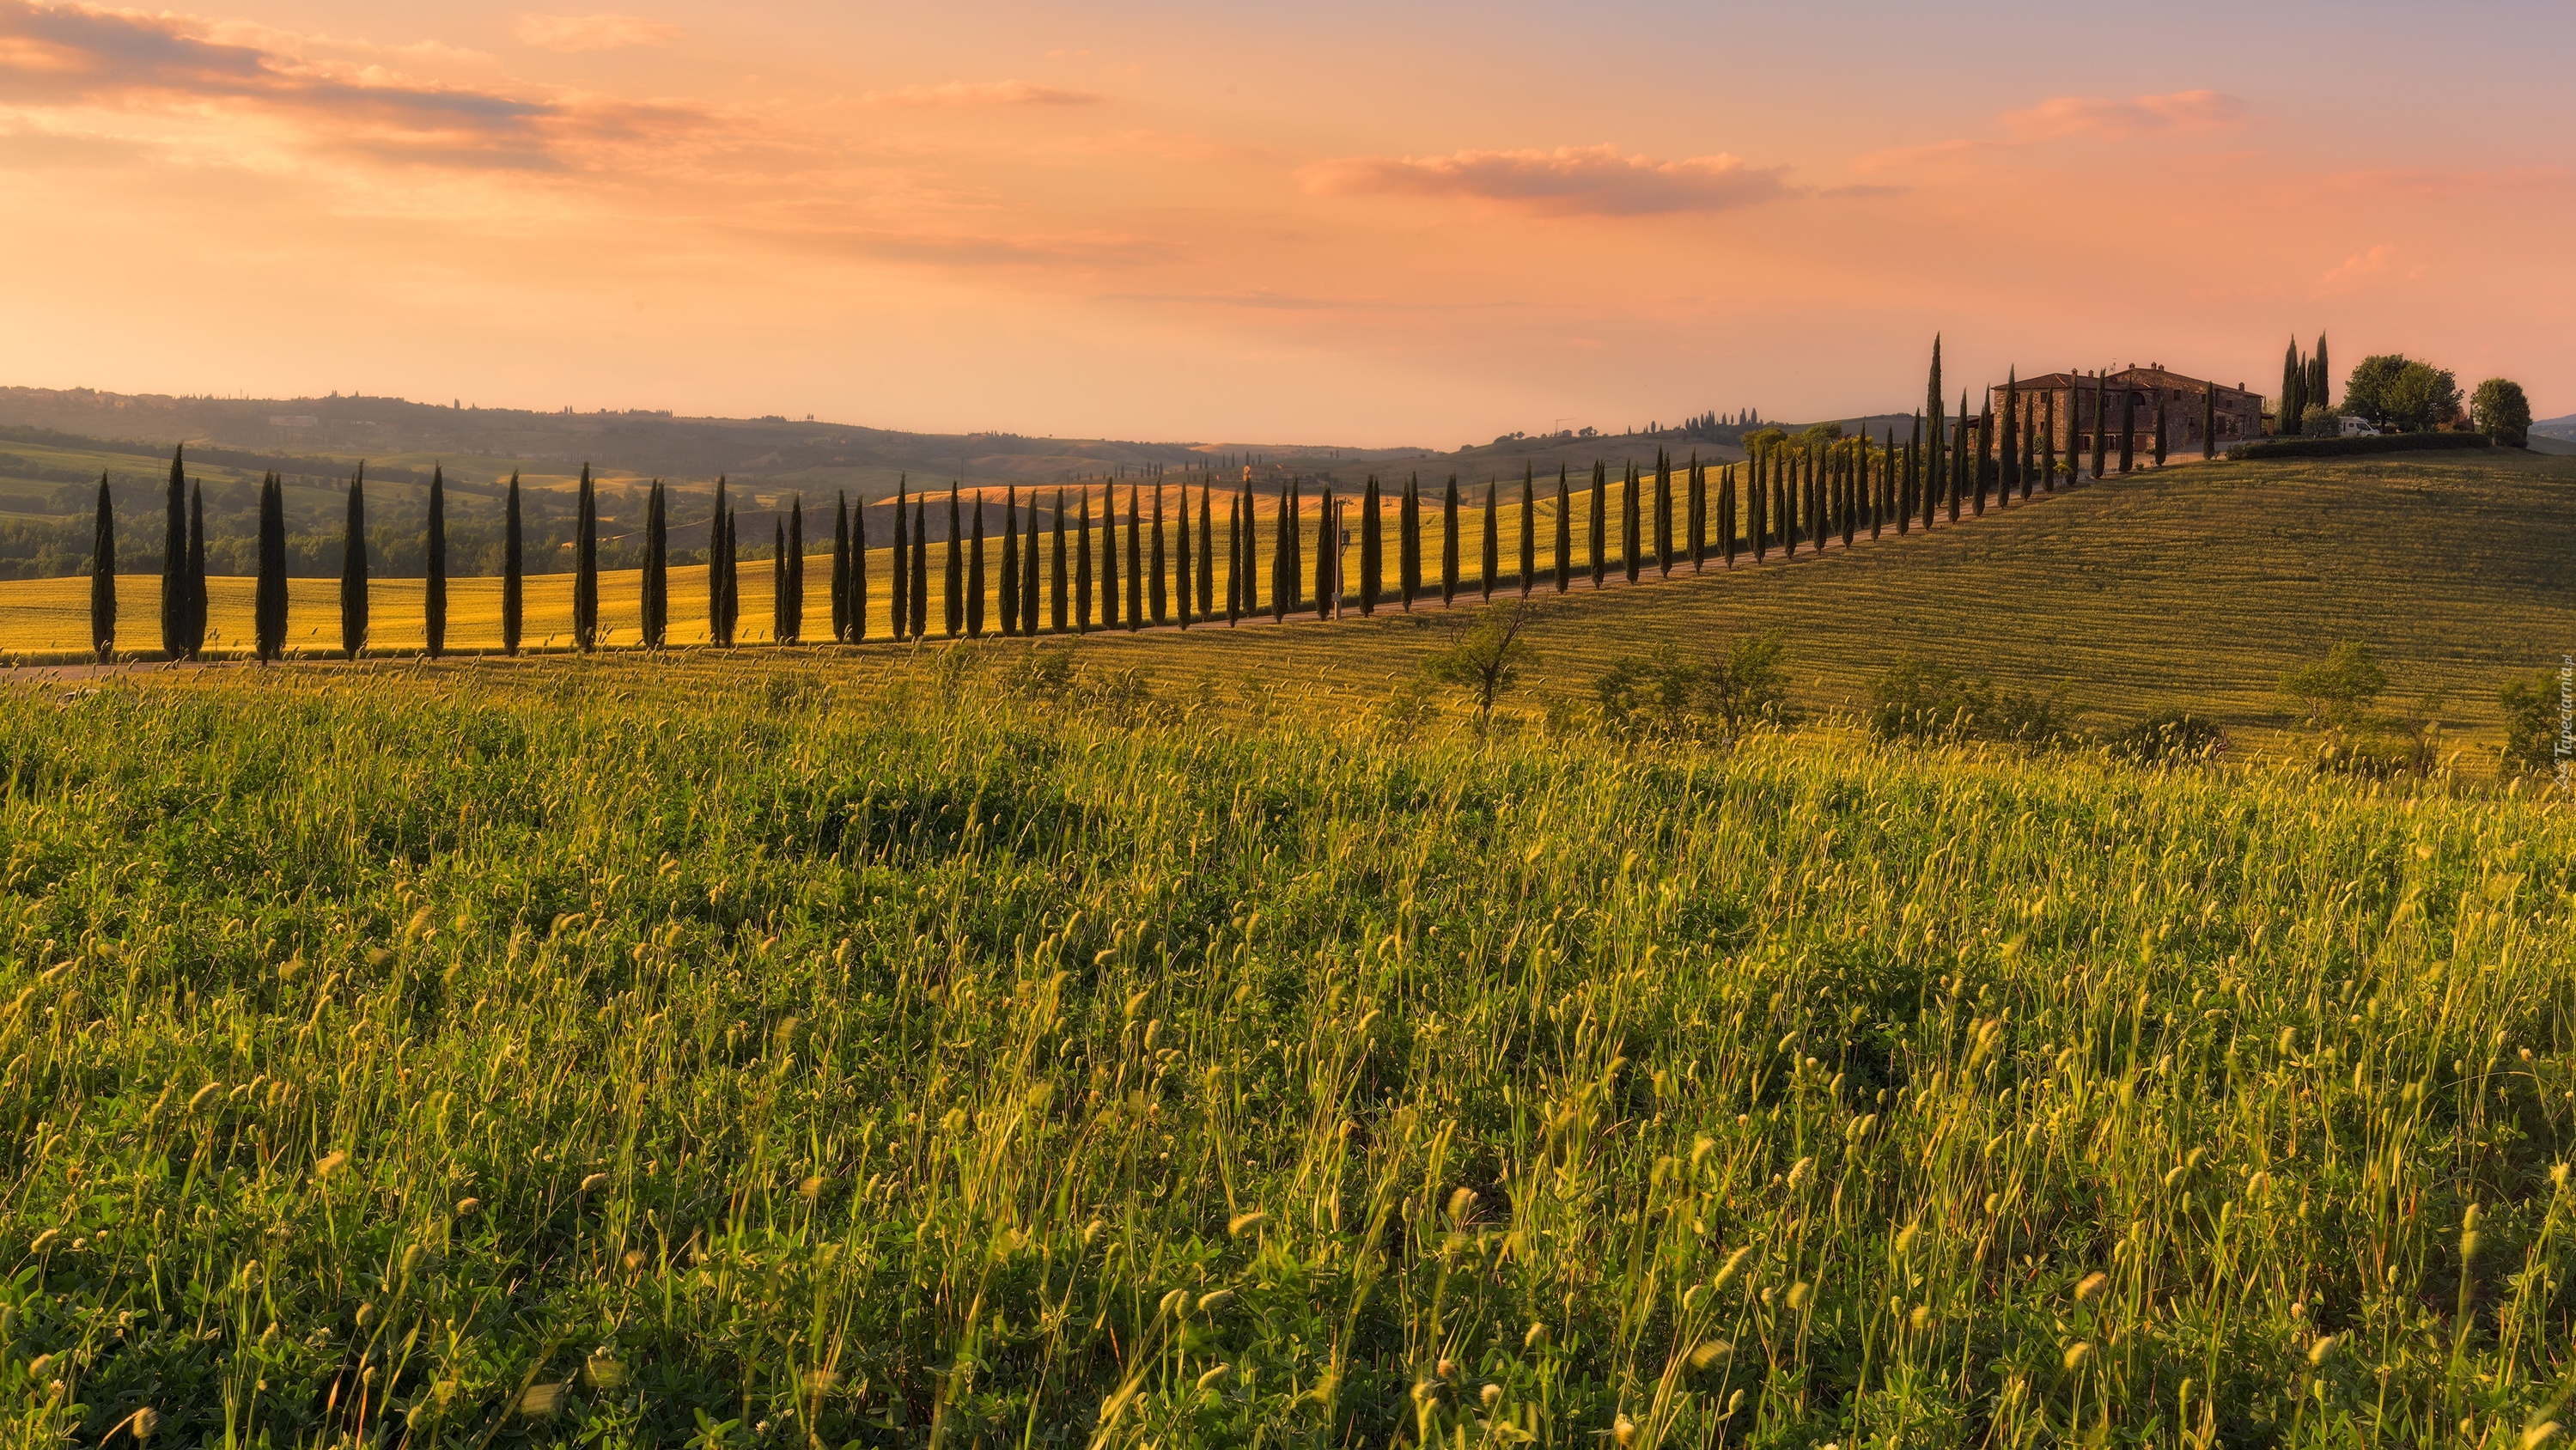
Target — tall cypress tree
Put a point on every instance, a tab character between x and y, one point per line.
513	587
1328	556
174	559
795	572
1663	514
1371	548
1135	564
1529	530
1936	470
920	610
2161	437
1631	541
1987	446
353	568
2209	422
2294	381
655	614
1029	572
192	576
2128	428
1449	541
1109	558
1287	590
1564	540
1160	594
1010	562
975	572
2321	392
434	592
1207	551
2048	447
732	603
901	603
952	612
1181	600
2101	422
840	566
1600	522
1059	615
1695	515
585	578
1234	558
1082	570
102	575
859	570
2011	435
1408	543
1958	481
718	549
1855	459
778	630
1489	555
268	601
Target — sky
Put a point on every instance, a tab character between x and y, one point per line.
1375	224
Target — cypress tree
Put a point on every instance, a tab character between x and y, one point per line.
2048	447
1328	556
1987	447
192	576
732	576
1011	562
1529	530
1408	543
585	579
1905	480
1725	507
1957	484
2209	423
2322	393
796	570
174	559
1109	558
1631	540
2101	422
778	633
1029	572
1449	540
901	604
1180	553
1160	594
840	566
952	600
1600	522
1287	557
268	601
1207	551
1135	564
1796	512
1371	550
718	550
1489	558
434	593
1936	468
1757	500
102	575
1233	558
657	567
1082	570
2294	381
975	573
1663	514
859	570
1854	466
1882	499
2128	429
1695	515
1563	559
2011	436
920	611
353	568
2160	435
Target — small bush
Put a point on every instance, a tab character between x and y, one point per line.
2269	448
2533	720
2168	735
1673	697
1920	700
2337	689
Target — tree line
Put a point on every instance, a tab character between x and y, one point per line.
1073	569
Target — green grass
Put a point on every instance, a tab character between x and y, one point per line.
790	1050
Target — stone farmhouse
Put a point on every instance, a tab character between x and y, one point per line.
2067	401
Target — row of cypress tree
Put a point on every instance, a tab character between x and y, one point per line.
1790	494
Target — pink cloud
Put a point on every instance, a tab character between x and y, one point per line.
981	93
1568	181
2382	263
2103	118
593	32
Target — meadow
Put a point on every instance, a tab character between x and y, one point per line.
983	1046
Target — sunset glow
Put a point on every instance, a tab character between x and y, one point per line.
1423	224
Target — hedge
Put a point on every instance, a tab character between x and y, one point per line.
2338	447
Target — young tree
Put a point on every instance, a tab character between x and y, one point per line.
353	568
434	582
268	607
840	566
585	579
655	621
1564	556
1449	539
513	585
975	572
102	575
1082	570
2501	410
1488	662
174	559
1529	529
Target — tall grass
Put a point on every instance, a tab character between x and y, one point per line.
784	1054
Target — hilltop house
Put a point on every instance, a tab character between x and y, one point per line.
2065	401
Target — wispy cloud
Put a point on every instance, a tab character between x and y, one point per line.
1567	181
982	93
593	32
2380	264
2107	119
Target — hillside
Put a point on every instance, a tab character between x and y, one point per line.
2197	586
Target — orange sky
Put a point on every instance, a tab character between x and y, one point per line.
1375	224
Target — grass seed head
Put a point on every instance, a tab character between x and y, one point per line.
143	1422
2077	1353
1490	1396
468	1207
1244	1223
332	1162
2091	1285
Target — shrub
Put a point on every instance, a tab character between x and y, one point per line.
2533	722
2168	734
2337	689
1673	697
1487	663
2264	448
1920	700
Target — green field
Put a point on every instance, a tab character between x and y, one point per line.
897	1049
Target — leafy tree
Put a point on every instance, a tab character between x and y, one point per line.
2502	412
2336	690
2535	739
434	555
1487	663
353	568
513	568
102	575
2392	390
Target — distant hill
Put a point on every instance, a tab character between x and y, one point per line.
2557	427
